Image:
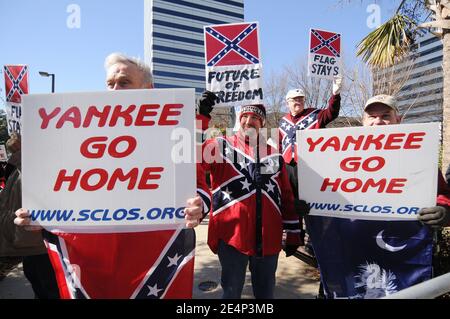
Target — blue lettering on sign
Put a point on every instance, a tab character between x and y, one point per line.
168	211
102	215
179	213
134	214
165	213
154	213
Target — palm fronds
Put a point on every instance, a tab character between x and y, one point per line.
388	43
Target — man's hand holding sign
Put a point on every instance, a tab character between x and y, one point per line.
368	188
111	183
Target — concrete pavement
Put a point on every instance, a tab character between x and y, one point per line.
295	279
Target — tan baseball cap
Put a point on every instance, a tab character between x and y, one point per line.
385	99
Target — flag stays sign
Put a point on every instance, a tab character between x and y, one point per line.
382	172
103	161
233	63
16	85
324	60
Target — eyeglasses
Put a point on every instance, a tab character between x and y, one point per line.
297	98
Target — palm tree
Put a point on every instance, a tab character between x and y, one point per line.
389	43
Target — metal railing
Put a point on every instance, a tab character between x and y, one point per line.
429	289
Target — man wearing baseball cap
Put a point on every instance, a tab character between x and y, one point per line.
301	118
382	110
252	202
411	265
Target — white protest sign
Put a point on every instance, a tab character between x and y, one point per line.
380	172
3	154
233	63
13	117
324	59
105	161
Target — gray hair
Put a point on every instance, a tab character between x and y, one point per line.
13	144
115	57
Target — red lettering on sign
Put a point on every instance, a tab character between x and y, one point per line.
393	141
95	147
352	164
98	178
168	111
353	185
144	111
144	115
47	117
412	138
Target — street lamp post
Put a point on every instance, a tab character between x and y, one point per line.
53	78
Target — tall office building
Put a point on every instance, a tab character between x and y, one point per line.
420	97
173	41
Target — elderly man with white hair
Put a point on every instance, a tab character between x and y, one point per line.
376	258
144	265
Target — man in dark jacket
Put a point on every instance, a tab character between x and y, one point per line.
16	241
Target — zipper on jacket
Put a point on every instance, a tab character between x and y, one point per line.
258	217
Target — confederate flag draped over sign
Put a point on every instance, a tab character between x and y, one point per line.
233	63
16	82
324	53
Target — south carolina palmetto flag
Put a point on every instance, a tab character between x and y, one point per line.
16	85
367	259
233	63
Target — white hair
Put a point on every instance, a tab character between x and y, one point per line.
115	57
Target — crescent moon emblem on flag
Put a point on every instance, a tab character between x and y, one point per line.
383	245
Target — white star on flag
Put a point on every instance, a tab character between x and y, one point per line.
302	126
242	163
227	151
270	187
174	260
246	185
226	193
153	290
288	127
269	167
309	120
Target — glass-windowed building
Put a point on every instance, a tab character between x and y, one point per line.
420	98
173	38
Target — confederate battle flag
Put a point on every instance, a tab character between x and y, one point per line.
16	82
232	44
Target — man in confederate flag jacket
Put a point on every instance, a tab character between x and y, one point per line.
301	118
252	202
